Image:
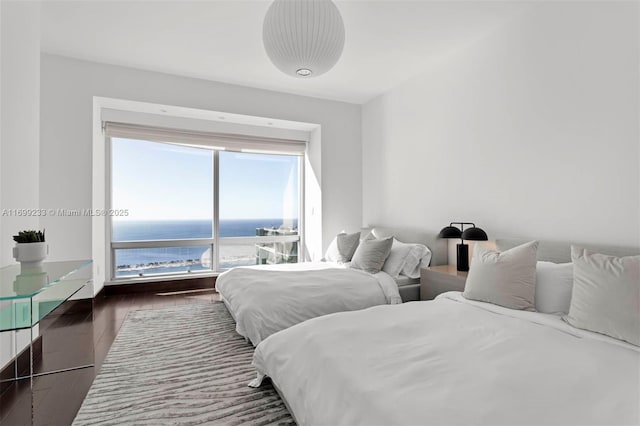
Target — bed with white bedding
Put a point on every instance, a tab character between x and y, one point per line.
451	361
265	299
562	358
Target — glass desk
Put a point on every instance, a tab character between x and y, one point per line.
27	297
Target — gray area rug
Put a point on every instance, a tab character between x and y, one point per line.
183	365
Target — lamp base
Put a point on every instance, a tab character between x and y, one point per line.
463	257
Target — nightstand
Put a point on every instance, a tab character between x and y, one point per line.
439	279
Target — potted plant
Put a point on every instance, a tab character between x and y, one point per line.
30	249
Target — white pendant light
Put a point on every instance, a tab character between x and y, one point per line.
303	38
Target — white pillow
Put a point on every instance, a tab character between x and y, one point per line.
342	247
606	295
554	282
332	251
507	279
397	258
406	259
419	257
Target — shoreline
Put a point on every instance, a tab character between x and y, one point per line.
154	265
177	263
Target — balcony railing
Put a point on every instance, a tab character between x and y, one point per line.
194	256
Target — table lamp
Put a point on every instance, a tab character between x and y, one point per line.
470	234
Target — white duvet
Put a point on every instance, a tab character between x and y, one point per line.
451	361
268	298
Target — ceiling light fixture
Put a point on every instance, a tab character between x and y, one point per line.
303	38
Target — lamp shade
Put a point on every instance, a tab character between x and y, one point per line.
450	232
474	234
303	38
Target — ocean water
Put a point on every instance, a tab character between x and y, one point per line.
133	262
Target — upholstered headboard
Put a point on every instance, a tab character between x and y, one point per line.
430	239
560	252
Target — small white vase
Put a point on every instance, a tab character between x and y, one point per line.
30	254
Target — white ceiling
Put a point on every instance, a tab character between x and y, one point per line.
387	42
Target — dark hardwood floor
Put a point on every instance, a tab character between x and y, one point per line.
72	338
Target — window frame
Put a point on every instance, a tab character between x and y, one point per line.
216	241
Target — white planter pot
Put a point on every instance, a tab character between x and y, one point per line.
30	280
30	254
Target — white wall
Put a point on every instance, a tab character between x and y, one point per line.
19	118
532	131
19	134
67	90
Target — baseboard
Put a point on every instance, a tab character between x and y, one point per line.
23	364
160	286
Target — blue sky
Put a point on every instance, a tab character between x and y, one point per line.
167	182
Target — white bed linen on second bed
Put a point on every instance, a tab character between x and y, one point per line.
268	298
451	361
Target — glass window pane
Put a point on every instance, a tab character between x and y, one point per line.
259	194
165	260
257	254
166	189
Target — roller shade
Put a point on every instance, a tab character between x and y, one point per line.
210	140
